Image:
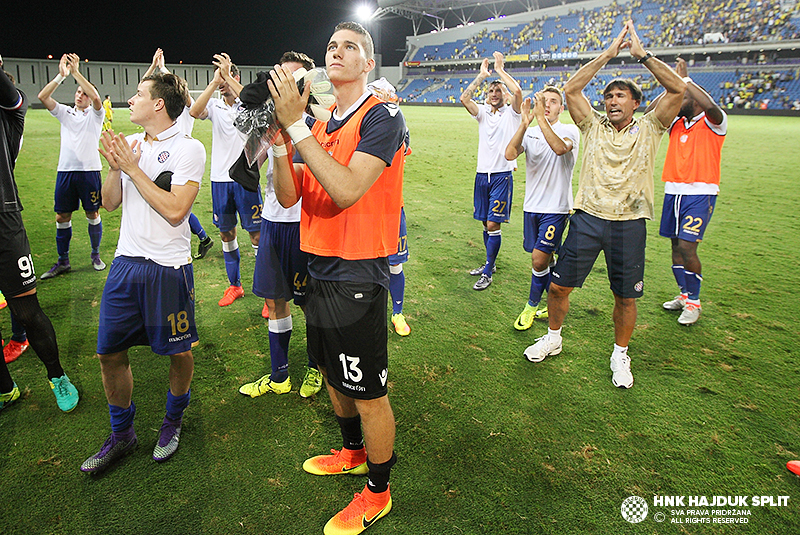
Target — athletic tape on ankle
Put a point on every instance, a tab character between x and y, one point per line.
298	131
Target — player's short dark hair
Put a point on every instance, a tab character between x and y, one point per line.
297	57
171	89
496	82
624	83
367	44
554	89
234	70
10	77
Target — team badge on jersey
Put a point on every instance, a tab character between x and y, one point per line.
163	157
634	129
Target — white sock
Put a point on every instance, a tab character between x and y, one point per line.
554	333
621	350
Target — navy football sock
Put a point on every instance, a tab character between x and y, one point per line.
280	333
95	233
63	237
121	419
693	281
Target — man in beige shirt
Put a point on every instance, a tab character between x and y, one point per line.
615	195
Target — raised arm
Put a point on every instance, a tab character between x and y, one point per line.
560	146
512	85
157	65
198	109
579	106
86	85
285	174
46	94
514	147
670	102
345	184
10	97
466	96
714	113
223	62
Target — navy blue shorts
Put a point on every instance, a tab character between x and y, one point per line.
543	231
401	256
229	199
281	267
146	304
74	187
623	244
17	275
686	216
347	335
493	195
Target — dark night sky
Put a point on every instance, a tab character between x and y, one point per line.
253	33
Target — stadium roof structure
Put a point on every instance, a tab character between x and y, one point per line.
443	13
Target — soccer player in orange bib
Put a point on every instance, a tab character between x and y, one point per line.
691	185
351	182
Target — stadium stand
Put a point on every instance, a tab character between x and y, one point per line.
548	45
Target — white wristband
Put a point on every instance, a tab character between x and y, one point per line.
687	79
279	151
59	78
298	131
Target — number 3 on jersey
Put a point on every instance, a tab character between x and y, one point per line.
350	367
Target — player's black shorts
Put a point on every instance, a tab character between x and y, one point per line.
623	244
17	275
346	327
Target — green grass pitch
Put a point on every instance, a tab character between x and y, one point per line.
488	443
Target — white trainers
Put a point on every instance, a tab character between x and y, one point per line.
677	303
544	347
690	314
621	368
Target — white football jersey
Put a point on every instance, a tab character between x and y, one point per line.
495	130
144	232
80	137
226	141
548	180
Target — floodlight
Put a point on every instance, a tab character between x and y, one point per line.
364	12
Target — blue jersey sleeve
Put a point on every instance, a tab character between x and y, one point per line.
383	131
